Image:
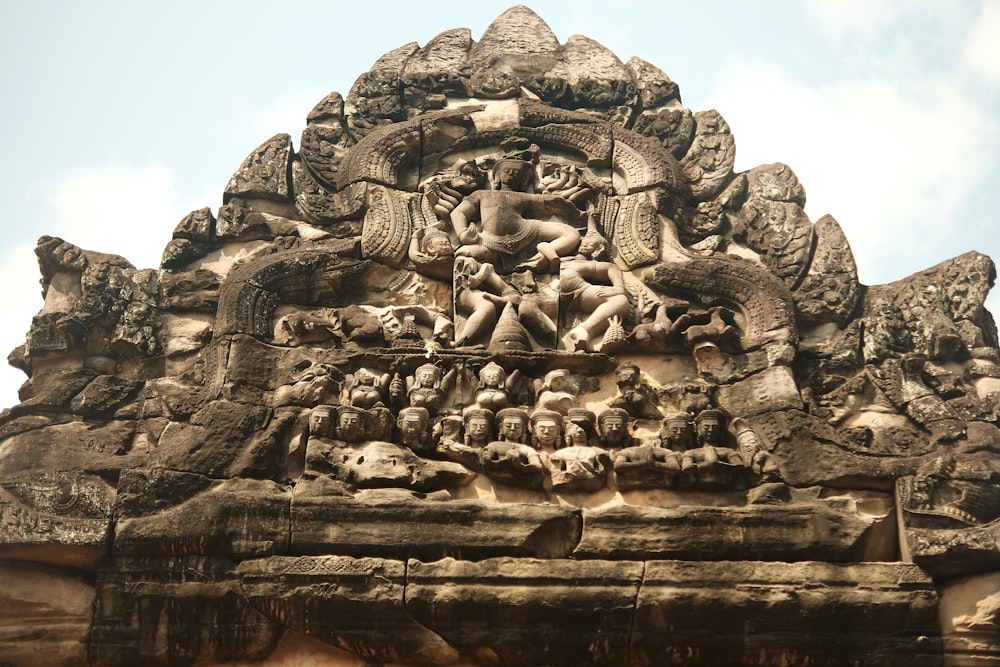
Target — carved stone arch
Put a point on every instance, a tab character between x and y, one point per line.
251	292
391	154
638	162
764	300
644	164
589	144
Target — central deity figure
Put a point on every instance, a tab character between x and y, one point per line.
517	226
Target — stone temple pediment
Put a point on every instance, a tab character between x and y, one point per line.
501	363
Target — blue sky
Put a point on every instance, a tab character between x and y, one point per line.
120	117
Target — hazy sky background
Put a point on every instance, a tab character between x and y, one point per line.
120	117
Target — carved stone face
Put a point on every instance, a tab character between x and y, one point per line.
591	246
438	246
576	434
547	432
426	377
628	375
411	424
613	430
477	429
491	376
709	431
319	422
679	432
513	175
513	429
349	426
470	177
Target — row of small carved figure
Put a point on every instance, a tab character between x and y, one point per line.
578	449
495	389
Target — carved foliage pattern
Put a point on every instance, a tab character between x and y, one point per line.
709	161
266	172
636	235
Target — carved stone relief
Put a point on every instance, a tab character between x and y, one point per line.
503	365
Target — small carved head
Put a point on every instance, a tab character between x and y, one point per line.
709	425
321	419
546	428
557	380
470	177
436	243
614	427
427	375
478	426
350	423
582	416
413	422
492	375
512	174
677	431
513	424
578	426
593	245
627	374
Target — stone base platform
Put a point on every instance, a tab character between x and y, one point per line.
516	611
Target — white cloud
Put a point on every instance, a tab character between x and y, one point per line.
864	20
889	164
982	48
861	18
